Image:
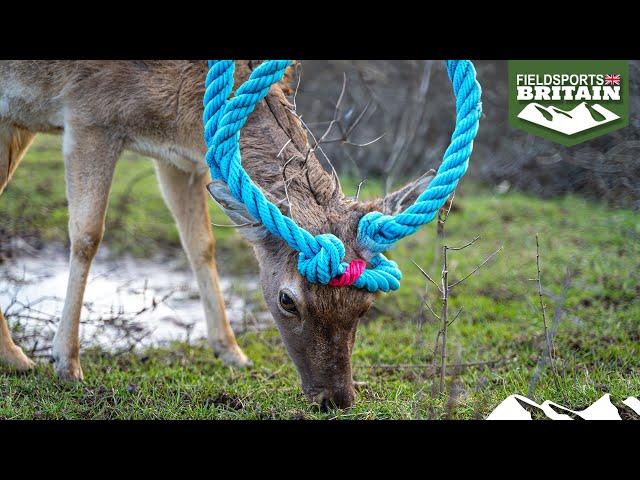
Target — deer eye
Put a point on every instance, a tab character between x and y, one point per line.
287	303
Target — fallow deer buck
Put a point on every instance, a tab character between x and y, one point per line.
155	108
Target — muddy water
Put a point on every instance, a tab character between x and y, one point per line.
128	302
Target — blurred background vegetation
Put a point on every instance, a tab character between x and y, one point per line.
410	102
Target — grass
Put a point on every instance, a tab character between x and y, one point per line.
597	344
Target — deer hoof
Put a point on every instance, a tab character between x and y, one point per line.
15	358
69	370
233	356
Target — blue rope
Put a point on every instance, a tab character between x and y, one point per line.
321	257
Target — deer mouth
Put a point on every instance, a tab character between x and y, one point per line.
327	399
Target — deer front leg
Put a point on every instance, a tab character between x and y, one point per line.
185	196
90	156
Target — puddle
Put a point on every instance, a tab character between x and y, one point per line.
128	302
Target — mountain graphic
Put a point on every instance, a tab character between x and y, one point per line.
581	118
517	407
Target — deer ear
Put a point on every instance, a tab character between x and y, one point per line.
250	229
402	198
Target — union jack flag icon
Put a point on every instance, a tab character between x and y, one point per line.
612	79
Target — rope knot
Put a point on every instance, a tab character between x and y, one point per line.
326	263
371	235
353	271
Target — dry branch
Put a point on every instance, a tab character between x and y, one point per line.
445	288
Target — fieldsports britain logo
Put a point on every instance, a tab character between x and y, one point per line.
568	101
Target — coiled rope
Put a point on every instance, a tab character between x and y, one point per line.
320	258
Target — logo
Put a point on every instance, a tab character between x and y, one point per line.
568	101
517	407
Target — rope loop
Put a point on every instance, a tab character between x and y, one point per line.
320	258
379	233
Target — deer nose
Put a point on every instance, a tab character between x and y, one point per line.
336	398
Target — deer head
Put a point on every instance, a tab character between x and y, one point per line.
317	323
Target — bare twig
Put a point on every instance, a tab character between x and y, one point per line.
443	215
358	119
336	112
335	121
478	267
357	196
466	245
542	305
426	275
299	75
317	146
440	347
348	142
365	144
283	147
426	303
345	133
548	339
456	315
444	317
555	321
286	186
235	225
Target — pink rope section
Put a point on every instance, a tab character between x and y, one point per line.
350	275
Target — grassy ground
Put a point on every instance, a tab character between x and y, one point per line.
594	249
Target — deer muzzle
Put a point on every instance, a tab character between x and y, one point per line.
334	398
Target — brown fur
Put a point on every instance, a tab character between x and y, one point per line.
155	108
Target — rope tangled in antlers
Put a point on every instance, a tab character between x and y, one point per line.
321	257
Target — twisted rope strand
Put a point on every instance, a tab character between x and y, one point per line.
321	257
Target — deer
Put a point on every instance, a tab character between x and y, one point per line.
154	108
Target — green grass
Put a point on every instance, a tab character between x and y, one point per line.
597	344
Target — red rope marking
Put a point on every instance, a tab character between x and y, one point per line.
350	275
